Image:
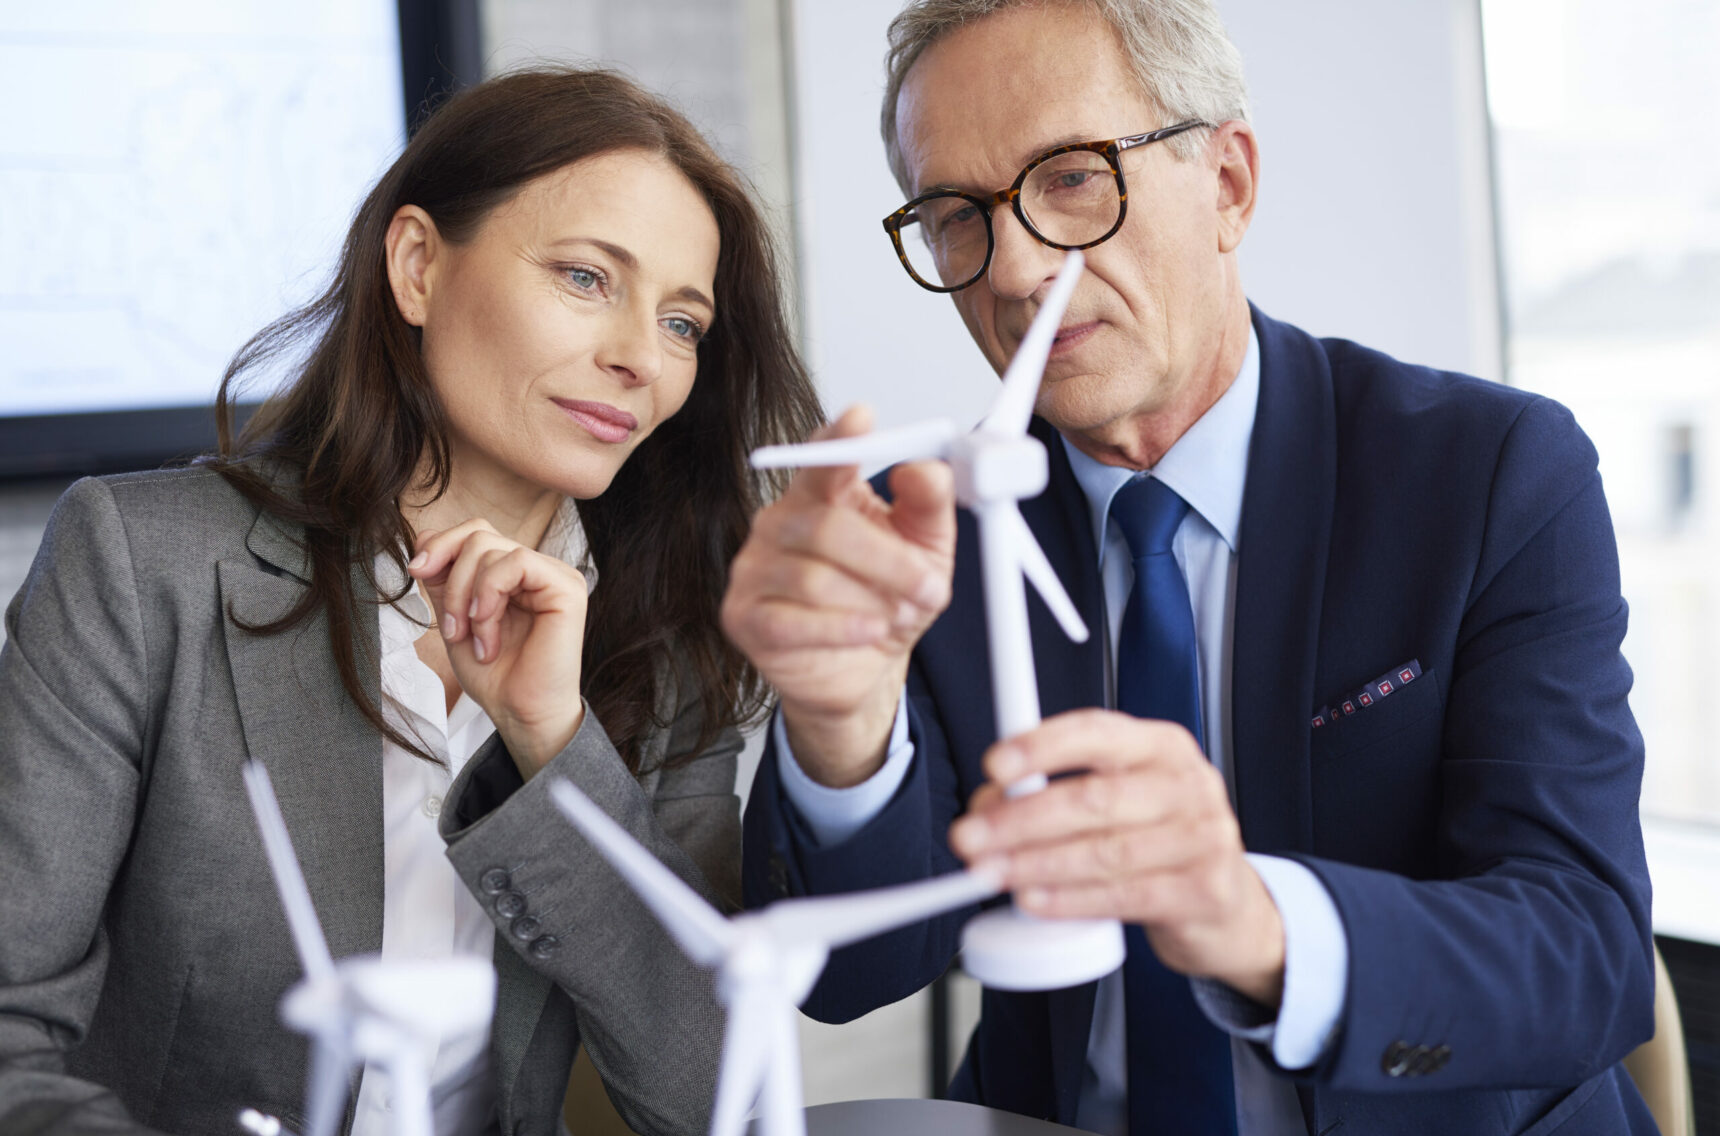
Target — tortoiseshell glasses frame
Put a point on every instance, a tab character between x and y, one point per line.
1110	150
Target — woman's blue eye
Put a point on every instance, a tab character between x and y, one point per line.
584	278
685	328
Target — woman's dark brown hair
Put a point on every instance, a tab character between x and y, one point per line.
354	424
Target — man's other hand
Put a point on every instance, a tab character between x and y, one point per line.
831	591
1143	832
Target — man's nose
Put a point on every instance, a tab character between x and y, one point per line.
1021	263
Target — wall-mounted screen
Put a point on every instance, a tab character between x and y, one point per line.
173	176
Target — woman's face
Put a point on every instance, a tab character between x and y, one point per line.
565	330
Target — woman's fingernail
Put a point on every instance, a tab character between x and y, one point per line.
449	626
417	561
478	647
472	608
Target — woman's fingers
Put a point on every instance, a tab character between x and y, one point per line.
517	577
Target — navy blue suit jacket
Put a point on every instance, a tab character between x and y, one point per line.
1477	829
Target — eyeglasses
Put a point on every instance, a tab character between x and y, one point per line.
1069	197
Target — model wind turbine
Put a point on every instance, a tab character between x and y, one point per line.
766	961
997	466
362	1009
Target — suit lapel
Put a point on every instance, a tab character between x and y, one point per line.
1281	574
1071	675
324	759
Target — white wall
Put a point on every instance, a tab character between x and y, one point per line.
1375	219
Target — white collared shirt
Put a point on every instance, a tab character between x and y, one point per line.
1208	468
427	913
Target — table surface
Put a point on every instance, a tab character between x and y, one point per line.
920	1118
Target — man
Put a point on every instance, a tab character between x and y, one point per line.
1350	744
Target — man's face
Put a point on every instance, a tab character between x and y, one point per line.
1145	328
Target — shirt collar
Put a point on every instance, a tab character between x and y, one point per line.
1207	466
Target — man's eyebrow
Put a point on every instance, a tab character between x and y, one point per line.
628	260
1026	157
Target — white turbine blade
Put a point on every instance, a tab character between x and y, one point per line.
747	1055
838	920
702	933
325	1091
1039	572
1014	406
289	880
914	442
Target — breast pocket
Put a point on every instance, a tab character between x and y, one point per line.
1407	705
1374	776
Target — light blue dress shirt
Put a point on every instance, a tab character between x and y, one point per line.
1208	468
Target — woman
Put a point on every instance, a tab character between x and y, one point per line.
554	333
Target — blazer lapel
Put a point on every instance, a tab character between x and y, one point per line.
1071	675
324	758
1281	574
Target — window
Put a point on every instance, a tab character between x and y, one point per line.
1608	184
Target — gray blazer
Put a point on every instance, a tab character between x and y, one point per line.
143	951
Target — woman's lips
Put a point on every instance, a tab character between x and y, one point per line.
1068	338
601	421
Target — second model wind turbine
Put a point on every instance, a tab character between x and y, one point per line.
766	961
391	1014
997	466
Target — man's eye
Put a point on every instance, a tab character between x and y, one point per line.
1074	179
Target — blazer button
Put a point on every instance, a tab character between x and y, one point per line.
544	946
525	928
510	905
778	873
1397	1058
495	881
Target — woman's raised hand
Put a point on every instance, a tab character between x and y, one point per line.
513	621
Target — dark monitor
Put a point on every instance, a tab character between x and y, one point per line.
182	175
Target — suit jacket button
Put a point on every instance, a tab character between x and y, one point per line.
495	881
1397	1058
544	946
778	875
510	905
1441	1055
525	928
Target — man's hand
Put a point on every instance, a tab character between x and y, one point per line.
1143	833
828	596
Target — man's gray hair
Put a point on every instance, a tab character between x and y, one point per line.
1178	49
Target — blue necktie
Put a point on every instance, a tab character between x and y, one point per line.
1179	1063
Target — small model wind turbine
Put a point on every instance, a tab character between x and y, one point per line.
996	466
362	1009
766	961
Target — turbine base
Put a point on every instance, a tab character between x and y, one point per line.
1007	949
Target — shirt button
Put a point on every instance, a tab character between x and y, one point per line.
495	881
510	904
432	807
544	946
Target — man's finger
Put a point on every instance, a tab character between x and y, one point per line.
826	484
923	505
779	625
866	551
1087	739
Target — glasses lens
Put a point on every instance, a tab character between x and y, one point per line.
1071	199
945	240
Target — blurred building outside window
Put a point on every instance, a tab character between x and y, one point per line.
1608	185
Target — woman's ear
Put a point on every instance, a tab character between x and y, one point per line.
412	248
